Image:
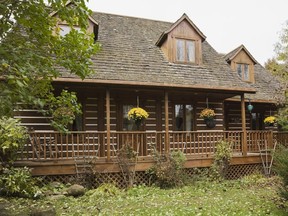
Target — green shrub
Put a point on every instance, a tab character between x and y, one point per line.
281	168
222	159
17	182
12	138
168	170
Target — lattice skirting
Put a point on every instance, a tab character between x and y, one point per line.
90	180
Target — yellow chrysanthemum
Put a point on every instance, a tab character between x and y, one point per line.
207	113
270	120
137	113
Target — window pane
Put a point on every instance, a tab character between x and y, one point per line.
179	121
128	125
189	117
239	70
246	72
65	29
190	49
180	55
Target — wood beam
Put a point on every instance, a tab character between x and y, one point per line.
167	141
243	116
108	122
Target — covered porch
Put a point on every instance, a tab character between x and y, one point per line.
104	130
51	153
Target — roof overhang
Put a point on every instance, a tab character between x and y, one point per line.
235	90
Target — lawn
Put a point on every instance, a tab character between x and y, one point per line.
252	195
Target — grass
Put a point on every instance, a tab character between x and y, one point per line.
252	195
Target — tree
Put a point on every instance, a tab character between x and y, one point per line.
32	52
279	67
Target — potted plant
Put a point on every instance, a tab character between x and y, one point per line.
270	120
209	117
138	115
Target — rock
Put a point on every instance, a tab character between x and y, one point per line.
76	190
4	206
56	197
55	184
47	211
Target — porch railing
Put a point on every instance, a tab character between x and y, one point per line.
53	145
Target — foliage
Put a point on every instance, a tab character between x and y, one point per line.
137	113
282	117
64	108
17	182
127	159
279	67
281	168
207	113
270	120
33	53
203	198
12	137
222	159
168	169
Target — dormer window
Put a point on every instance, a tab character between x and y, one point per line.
185	51
243	71
65	29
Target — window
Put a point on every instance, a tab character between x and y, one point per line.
257	121
243	71
185	51
183	117
128	125
65	29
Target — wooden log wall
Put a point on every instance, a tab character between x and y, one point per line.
233	115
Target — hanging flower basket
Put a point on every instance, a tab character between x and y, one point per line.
138	115
270	120
210	122
208	115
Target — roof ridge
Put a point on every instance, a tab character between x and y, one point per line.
134	17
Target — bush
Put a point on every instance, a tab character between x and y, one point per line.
222	159
281	168
168	170
17	182
12	138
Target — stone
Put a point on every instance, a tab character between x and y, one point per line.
4	206
47	211
56	197
76	190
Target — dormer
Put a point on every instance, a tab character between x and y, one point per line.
242	62
182	42
92	26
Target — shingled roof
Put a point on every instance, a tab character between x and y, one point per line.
268	87
128	53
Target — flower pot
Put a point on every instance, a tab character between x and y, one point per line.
210	122
138	123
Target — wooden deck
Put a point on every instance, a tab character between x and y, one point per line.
51	153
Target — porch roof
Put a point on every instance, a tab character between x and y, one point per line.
129	55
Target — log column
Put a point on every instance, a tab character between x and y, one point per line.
167	141
108	122
243	115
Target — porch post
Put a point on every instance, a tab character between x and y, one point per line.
243	115
108	122
167	141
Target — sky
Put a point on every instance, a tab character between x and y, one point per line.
226	23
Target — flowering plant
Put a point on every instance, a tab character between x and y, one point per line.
207	113
270	120
137	114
